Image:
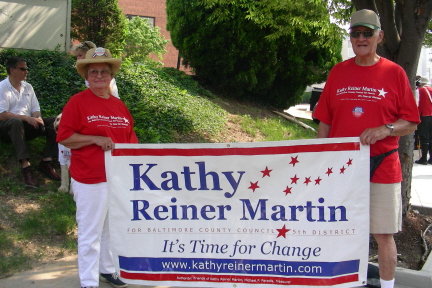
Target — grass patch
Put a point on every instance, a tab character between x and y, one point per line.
55	216
276	129
12	258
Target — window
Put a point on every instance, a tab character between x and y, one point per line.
151	20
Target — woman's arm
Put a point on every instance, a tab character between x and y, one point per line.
76	141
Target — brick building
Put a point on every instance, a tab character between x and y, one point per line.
154	11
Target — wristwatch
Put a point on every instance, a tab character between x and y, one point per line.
391	127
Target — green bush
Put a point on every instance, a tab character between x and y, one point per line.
164	102
52	75
228	50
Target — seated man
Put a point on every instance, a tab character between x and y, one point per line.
21	120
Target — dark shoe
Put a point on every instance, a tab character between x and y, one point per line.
430	161
373	277
47	168
29	178
113	279
421	161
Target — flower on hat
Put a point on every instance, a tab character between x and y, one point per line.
98	55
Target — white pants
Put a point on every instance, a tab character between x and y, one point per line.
94	253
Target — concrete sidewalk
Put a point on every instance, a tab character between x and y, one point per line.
421	188
63	273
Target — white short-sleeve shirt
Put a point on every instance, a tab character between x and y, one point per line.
23	102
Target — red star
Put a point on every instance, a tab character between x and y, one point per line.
266	172
287	190
294	160
294	179
307	180
317	181
282	232
329	171
253	186
342	170
349	162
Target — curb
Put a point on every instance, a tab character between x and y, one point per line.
413	278
408	278
416	278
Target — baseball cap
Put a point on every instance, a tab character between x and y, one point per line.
424	80
365	17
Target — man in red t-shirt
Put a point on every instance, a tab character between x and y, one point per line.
370	97
425	126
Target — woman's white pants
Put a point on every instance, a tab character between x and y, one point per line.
94	253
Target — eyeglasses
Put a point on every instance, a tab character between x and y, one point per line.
22	68
95	73
366	34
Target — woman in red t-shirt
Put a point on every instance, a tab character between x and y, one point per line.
92	122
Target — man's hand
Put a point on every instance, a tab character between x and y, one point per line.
372	135
34	121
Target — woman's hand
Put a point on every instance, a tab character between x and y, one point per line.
105	143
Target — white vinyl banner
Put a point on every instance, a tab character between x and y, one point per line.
292	213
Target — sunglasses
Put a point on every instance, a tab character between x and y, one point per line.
366	34
22	69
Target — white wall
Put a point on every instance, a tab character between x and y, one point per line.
424	67
35	24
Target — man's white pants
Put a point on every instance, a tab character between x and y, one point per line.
94	252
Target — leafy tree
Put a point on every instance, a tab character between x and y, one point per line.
247	58
428	36
142	39
100	21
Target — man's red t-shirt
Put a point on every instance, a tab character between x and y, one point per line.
359	97
425	102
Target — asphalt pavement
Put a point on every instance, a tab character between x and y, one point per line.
63	273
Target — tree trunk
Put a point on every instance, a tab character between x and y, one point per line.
406	148
404	25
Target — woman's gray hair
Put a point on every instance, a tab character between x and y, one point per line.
85	46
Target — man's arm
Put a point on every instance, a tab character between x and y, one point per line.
323	130
401	128
32	120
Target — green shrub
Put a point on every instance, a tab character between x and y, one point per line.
230	51
52	75
163	101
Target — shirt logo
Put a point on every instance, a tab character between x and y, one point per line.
358	112
382	93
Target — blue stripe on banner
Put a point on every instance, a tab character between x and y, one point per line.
238	266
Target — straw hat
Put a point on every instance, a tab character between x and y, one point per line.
98	55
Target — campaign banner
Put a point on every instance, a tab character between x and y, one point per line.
292	213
